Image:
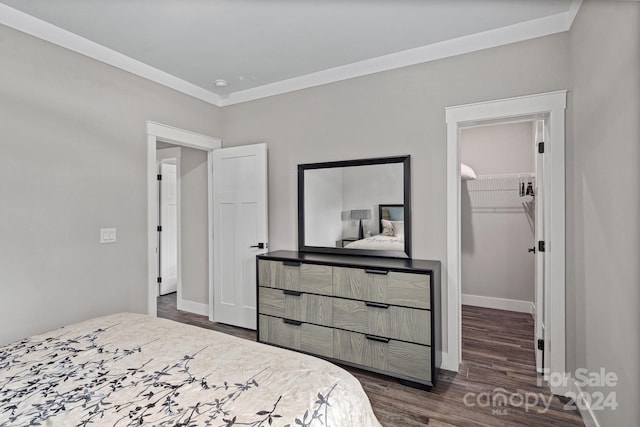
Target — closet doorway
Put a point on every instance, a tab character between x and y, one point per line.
549	109
501	222
497	212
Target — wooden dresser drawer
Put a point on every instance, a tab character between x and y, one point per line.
402	358
375	314
390	287
297	335
296	305
296	276
401	323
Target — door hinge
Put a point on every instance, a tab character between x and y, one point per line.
159	228
159	177
541	246
540	147
159	279
540	344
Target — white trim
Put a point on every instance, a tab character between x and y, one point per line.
498	303
571	14
487	39
183	138
192	307
588	416
540	27
210	212
159	132
552	105
43	30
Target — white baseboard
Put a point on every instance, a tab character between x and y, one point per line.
588	417
447	364
499	303
193	307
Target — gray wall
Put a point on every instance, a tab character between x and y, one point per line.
499	149
390	113
194	225
603	236
73	160
497	226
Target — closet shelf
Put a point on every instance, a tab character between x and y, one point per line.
501	191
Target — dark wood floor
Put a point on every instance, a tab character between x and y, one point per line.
498	360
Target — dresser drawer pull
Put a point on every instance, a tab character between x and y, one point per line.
290	292
377	338
291	263
383	272
292	322
376	304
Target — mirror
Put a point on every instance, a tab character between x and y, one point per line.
357	207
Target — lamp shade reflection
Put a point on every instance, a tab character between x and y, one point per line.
360	214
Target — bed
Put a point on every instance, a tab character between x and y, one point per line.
378	242
391	231
131	369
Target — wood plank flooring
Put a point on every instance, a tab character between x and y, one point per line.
498	360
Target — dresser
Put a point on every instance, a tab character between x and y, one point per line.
378	314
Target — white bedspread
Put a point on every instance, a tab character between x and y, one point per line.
129	369
379	242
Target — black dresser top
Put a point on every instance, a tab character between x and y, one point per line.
397	264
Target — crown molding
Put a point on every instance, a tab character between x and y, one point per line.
43	30
571	14
535	28
498	37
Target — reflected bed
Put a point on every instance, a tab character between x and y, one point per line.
130	369
379	242
391	229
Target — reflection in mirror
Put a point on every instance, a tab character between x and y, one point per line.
355	208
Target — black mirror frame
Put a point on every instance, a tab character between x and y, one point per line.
405	160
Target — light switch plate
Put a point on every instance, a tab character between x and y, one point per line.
107	235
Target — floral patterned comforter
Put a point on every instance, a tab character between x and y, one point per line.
131	369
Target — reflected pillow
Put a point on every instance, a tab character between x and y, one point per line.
398	228
387	228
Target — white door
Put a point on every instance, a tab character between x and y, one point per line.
540	294
168	221
239	231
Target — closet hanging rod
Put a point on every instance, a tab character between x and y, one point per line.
508	175
493	189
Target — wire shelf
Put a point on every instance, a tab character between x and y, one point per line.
511	192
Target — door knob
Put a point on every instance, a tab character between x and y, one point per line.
533	249
259	246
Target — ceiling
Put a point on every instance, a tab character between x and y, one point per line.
262	47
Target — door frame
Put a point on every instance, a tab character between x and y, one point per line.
551	105
184	138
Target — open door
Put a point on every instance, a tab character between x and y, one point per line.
168	213
168	230
240	231
540	306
